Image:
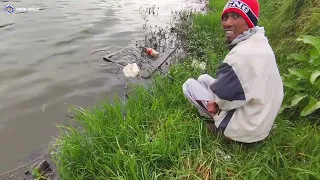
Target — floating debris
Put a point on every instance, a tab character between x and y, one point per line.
43	166
131	70
152	52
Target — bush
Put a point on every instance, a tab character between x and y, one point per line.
303	82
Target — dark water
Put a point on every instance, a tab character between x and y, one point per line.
46	63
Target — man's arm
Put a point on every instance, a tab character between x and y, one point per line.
228	90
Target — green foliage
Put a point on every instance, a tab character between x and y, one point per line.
303	83
157	134
287	20
37	176
204	37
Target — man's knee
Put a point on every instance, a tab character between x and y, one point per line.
186	86
203	77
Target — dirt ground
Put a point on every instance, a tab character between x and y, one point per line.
28	164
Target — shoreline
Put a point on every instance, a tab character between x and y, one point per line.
30	163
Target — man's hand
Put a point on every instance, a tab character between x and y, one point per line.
213	108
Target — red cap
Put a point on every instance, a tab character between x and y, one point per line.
248	9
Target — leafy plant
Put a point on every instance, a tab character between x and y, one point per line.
303	83
37	175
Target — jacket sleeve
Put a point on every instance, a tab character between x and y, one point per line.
228	91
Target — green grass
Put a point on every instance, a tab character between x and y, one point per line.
157	133
287	20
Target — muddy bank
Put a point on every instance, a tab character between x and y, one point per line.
37	164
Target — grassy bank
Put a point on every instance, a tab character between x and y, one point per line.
157	134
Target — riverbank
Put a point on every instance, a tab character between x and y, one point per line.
156	133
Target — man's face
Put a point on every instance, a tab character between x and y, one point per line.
234	25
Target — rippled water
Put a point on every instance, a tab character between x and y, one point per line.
46	63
